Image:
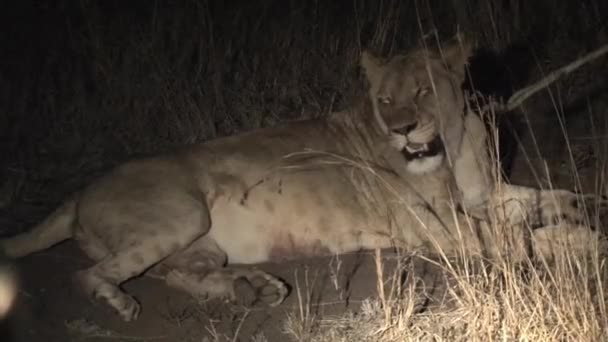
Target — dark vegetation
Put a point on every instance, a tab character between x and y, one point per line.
85	85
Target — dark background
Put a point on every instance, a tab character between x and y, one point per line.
85	85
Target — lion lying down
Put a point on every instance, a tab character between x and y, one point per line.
388	172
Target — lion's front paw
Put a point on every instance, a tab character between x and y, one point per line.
565	206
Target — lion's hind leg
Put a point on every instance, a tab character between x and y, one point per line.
248	287
102	280
132	237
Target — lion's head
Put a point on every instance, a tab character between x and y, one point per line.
418	102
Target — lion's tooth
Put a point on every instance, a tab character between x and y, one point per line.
412	148
416	148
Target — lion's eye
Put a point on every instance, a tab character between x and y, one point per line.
422	91
385	100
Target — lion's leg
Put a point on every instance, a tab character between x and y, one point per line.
472	168
244	286
101	281
519	204
443	230
484	198
517	214
140	250
199	271
519	242
91	245
565	240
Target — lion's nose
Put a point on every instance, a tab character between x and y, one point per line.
411	127
406	129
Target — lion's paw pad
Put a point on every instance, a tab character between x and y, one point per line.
259	288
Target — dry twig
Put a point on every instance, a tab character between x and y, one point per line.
523	94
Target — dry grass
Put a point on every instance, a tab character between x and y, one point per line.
493	306
486	300
562	299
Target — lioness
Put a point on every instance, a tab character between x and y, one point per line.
385	172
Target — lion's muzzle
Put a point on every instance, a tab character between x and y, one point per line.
417	140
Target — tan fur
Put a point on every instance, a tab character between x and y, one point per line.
316	187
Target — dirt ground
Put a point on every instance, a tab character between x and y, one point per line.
48	307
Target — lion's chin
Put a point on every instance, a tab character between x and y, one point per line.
424	158
413	151
425	164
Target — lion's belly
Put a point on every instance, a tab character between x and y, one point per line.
269	226
240	233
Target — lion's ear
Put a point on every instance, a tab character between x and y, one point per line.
456	55
374	70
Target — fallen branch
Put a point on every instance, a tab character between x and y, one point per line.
523	94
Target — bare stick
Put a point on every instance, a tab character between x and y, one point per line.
523	94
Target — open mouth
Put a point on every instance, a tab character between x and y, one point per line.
416	151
